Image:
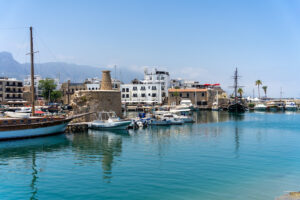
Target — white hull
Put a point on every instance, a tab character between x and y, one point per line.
17	114
109	125
35	132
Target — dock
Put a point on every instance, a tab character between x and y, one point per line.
77	127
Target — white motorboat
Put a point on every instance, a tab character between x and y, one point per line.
186	103
291	106
109	121
174	119
17	114
184	115
260	107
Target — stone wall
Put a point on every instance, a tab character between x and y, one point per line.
96	101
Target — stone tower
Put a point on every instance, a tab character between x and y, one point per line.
106	80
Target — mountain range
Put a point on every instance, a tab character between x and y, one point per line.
9	67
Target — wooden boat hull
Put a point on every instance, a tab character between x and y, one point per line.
33	131
236	108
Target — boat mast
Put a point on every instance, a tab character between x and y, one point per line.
235	85
32	72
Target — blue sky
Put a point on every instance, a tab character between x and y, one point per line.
200	40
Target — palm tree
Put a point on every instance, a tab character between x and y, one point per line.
240	91
258	83
265	90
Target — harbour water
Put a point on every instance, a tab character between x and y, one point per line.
222	156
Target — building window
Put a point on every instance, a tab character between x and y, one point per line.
162	78
134	95
203	94
134	88
163	94
127	95
127	89
143	88
180	94
153	94
123	95
143	95
123	89
187	95
153	87
149	94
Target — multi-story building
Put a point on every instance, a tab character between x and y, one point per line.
141	93
153	89
201	97
11	89
162	78
181	83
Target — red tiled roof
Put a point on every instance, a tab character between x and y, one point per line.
187	90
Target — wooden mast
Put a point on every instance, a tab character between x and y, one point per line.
32	72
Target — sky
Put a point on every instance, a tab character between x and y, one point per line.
203	40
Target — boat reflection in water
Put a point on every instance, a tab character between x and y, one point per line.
98	146
29	150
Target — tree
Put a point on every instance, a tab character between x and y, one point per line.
176	95
55	95
258	83
47	86
265	90
240	91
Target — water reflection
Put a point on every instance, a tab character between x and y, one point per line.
211	116
28	150
98	146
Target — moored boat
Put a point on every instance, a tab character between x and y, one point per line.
19	128
159	122
291	106
21	125
236	106
109	121
260	107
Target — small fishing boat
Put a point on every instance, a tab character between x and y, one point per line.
260	107
109	121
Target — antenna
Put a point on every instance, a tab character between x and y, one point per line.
115	72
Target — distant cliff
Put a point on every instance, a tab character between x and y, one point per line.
9	67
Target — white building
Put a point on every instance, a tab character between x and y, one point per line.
181	83
141	93
154	76
153	89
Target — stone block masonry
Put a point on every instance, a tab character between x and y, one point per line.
96	101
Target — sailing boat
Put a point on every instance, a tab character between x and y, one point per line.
236	106
33	126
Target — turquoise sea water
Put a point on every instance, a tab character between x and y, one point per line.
252	156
